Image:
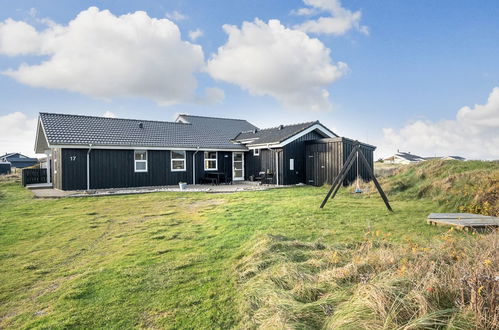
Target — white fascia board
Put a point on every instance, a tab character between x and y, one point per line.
314	127
36	136
74	146
40	124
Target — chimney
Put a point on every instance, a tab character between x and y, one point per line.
141	125
280	127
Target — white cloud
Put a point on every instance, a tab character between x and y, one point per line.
105	56
176	16
473	134
109	114
340	21
212	95
195	34
19	38
18	133
270	59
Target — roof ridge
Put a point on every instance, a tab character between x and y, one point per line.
297	124
224	118
111	118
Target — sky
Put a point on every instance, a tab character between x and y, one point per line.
418	75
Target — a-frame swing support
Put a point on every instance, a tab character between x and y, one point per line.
338	181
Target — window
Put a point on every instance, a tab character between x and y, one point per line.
140	159
256	152
178	160
291	164
210	160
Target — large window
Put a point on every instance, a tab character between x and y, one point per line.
210	160
178	160
140	159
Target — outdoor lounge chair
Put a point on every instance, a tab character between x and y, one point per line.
267	177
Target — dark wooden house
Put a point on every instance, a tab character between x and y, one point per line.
85	152
325	158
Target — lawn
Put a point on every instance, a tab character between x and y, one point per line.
166	259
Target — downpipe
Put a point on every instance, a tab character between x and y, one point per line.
88	166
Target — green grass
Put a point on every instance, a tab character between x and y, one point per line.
165	259
471	186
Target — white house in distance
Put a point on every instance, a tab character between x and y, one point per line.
403	158
408	158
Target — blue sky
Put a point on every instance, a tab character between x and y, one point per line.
416	70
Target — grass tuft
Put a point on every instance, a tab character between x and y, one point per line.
372	286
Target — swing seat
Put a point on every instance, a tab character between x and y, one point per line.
358	191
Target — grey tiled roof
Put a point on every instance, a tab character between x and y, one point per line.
410	157
63	129
223	127
274	134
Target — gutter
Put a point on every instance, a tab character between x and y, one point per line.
88	166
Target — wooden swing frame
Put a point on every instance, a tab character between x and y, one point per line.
338	181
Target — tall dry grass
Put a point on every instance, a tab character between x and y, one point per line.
454	283
458	186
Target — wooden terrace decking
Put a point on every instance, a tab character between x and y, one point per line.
464	221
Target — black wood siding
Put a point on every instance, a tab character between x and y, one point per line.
296	150
265	162
224	164
74	169
114	168
326	157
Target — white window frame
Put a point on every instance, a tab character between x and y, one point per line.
178	159
291	164
135	161
256	152
210	159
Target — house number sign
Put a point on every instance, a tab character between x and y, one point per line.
72	158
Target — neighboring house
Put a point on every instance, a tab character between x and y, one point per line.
403	158
18	160
5	168
453	158
87	152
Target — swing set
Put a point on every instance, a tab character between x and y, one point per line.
354	156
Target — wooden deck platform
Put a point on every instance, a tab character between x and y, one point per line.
464	221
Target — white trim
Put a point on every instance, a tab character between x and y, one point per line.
40	123
314	127
49	157
210	159
233	168
142	161
178	159
256	153
36	136
81	146
247	140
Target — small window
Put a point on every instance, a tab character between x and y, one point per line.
140	159
291	164
178	160
210	160
256	152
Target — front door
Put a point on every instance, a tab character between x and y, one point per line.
237	166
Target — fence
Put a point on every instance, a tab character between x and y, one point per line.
34	175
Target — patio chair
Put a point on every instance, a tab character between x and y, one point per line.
268	177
